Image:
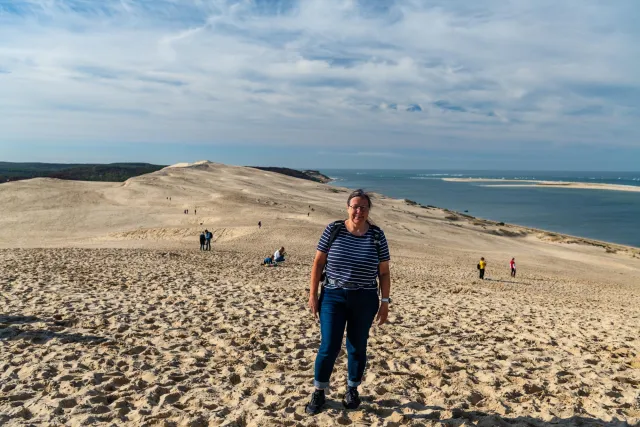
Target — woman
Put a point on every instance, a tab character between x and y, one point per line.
354	254
279	255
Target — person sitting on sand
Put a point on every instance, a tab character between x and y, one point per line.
512	265
202	241
355	254
279	255
481	266
268	261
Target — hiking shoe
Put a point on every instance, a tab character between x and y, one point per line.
316	404
351	398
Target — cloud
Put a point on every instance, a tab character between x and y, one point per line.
445	105
333	72
379	154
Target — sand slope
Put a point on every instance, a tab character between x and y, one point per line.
120	319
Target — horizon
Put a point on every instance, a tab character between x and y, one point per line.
394	84
342	168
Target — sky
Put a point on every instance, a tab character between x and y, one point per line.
488	84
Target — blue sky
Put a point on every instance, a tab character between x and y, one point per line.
529	84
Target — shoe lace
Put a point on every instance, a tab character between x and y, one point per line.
316	398
352	394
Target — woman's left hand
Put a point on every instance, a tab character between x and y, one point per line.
383	313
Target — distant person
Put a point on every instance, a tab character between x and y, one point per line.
512	265
481	266
207	237
202	241
259	224
195	211
267	261
354	255
279	255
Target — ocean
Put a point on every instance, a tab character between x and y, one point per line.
612	216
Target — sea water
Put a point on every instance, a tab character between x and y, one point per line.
607	215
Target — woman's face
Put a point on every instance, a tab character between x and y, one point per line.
358	210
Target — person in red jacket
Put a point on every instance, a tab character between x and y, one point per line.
512	264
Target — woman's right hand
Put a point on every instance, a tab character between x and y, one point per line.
313	305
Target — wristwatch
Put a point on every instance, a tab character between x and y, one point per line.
387	300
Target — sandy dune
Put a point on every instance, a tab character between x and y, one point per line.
110	315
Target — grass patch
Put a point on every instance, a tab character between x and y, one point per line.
336	190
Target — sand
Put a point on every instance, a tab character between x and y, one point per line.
538	183
110	315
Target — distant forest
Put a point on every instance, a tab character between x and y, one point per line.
113	172
310	175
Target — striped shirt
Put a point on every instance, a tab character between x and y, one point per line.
352	261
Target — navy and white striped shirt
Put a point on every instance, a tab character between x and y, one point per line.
352	261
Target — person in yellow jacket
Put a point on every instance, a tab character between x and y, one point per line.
481	266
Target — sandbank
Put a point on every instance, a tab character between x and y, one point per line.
556	184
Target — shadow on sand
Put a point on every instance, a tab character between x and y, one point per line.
8	320
42	336
461	417
10	331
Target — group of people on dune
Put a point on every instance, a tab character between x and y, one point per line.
277	257
482	265
205	240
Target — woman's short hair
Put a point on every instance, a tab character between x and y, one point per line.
359	193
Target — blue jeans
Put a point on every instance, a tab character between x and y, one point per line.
356	310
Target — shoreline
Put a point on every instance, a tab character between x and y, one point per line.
541	183
555	236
